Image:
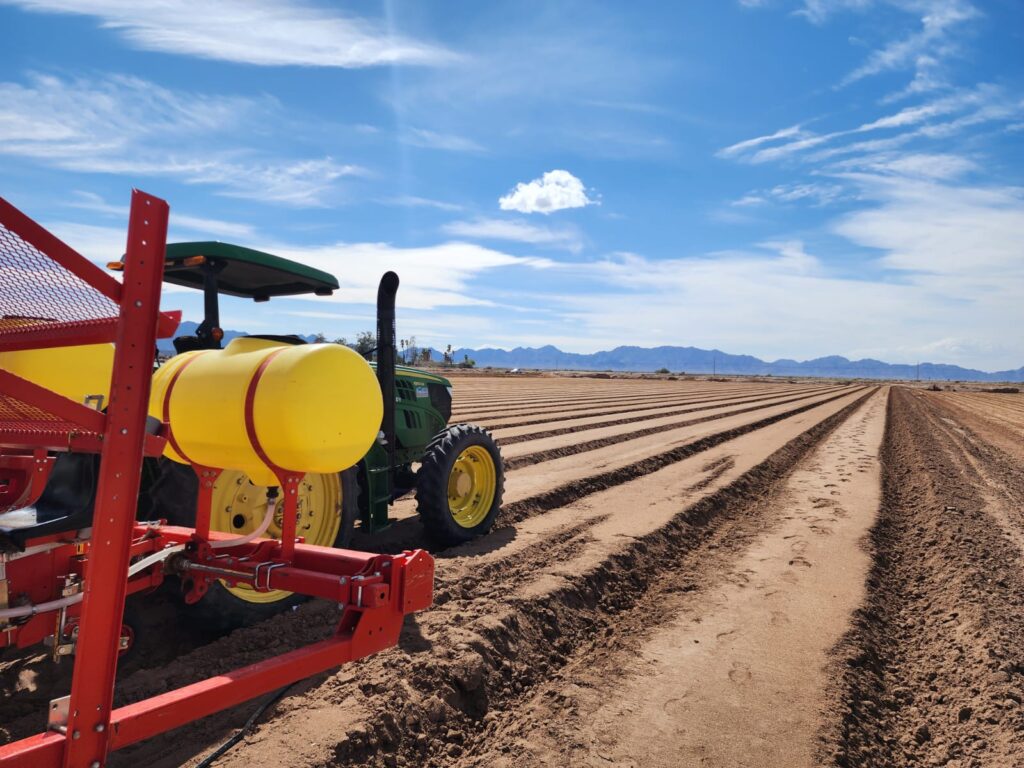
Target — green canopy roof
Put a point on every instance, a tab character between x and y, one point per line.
245	272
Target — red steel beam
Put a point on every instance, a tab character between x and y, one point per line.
92	683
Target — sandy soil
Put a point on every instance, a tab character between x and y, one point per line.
685	572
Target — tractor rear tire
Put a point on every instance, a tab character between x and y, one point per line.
219	610
459	485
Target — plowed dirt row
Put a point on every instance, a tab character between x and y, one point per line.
586	437
500	422
518	434
933	672
577	406
510	611
732	673
683	581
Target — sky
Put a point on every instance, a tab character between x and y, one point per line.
781	178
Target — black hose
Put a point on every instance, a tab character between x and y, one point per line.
207	761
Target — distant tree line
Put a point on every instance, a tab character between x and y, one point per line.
407	353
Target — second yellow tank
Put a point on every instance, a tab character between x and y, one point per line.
314	407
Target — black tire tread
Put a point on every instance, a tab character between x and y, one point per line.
432	484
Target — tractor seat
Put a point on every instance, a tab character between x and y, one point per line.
66	503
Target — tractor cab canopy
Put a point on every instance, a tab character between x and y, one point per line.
215	268
243	272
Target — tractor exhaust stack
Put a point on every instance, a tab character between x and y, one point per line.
386	359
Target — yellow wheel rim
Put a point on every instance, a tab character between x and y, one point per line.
239	506
471	486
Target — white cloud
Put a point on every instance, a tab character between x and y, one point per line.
741	147
517	230
432	276
958	238
90	201
935	281
920	49
128	126
965	108
816	193
412	201
554	191
817	11
260	32
420	137
919	165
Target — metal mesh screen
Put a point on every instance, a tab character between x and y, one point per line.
37	292
18	417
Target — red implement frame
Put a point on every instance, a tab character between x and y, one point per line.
52	296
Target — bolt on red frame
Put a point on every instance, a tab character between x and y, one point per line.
52	296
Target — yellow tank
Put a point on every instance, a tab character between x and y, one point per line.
316	407
75	372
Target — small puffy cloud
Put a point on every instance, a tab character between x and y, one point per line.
554	191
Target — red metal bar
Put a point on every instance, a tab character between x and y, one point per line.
92	684
207	479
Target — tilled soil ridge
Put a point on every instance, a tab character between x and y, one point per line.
732	671
442	700
933	671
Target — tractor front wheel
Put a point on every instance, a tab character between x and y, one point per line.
459	485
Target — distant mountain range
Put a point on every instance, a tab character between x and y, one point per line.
694	360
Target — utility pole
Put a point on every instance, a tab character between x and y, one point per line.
918	370
714	365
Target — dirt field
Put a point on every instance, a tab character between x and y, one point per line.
684	573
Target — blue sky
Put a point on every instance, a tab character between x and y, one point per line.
784	178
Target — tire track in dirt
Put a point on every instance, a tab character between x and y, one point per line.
933	671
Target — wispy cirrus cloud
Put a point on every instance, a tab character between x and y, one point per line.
421	137
204	225
940	248
117	124
932	119
433	276
815	193
921	50
517	230
259	32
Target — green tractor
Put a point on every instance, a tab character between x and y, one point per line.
459	480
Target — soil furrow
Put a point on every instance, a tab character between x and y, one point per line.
932	672
442	706
515	462
578	489
585	423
